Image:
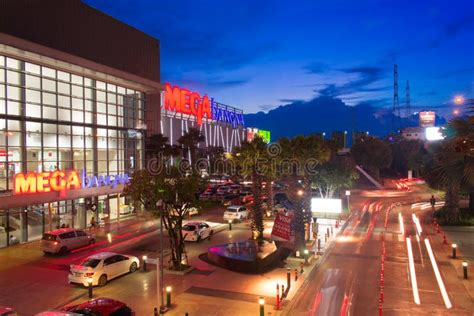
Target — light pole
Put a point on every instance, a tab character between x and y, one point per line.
348	194
261	302
159	270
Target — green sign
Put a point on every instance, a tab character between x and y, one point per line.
265	135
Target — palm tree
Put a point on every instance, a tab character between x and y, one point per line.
252	160
190	142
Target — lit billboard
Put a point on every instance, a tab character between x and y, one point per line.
433	133
427	118
319	205
252	132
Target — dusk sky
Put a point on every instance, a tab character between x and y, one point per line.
257	56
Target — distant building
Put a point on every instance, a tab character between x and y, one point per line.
414	133
339	138
358	136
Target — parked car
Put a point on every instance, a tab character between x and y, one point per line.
65	239
194	210
102	267
246	197
196	231
234	189
223	189
7	311
236	213
206	195
102	307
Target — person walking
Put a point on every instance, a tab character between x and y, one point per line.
93	222
433	202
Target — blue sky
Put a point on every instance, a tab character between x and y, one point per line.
257	55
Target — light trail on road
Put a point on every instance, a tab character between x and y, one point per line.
442	288
400	220
411	264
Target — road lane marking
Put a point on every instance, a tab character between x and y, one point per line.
411	263
442	288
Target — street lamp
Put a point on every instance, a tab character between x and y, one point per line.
168	296
261	302
300	192
348	194
89	283
230	224
459	99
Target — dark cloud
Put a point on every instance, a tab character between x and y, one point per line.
452	29
366	77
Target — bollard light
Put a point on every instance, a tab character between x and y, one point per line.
297	253
89	282
168	296
306	254
144	263
288	278
454	246
464	268
230	224
261	302
109	237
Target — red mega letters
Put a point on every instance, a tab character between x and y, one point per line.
187	102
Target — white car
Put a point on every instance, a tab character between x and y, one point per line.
196	231
236	213
102	267
191	211
64	240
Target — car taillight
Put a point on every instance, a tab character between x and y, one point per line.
89	274
55	243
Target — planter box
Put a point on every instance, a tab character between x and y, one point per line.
176	272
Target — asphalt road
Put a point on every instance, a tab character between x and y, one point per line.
348	278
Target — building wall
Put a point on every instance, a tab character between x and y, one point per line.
73	27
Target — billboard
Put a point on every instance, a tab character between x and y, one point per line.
319	205
433	133
252	132
427	118
282	227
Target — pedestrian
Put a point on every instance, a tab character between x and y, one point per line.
93	223
433	202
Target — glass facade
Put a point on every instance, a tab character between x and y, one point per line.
51	119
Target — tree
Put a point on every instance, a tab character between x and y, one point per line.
299	158
176	194
190	142
157	146
333	175
407	155
252	160
373	154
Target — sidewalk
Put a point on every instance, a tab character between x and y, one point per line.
452	269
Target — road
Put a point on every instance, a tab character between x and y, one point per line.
348	278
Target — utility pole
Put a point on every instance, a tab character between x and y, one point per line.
407	100
396	103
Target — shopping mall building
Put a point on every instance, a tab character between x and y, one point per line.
79	91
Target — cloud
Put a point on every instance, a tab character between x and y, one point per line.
452	29
222	84
367	78
290	100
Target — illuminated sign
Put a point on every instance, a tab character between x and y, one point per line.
433	133
265	135
320	205
427	118
226	115
191	103
187	102
252	132
62	181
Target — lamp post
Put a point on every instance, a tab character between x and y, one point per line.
159	267
144	263
454	246
348	194
168	296
89	287
464	268
261	302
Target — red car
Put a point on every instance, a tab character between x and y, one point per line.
101	307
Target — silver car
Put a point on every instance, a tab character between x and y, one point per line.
64	240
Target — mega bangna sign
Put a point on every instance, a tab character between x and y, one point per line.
319	205
64	180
